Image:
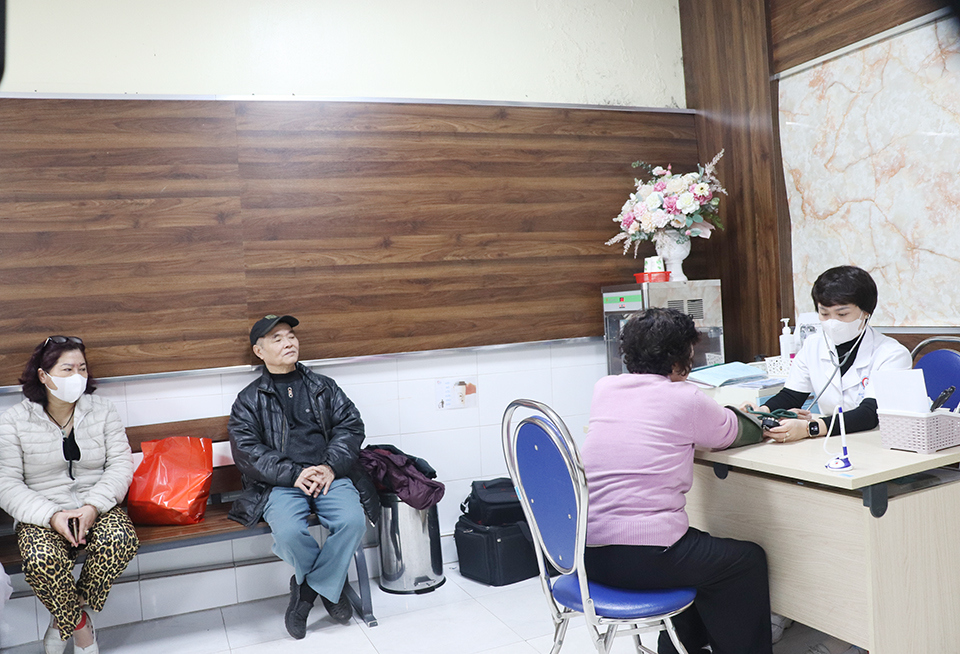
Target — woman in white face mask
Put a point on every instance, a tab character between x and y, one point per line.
839	362
837	366
65	465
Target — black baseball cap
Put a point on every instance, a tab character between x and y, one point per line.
268	322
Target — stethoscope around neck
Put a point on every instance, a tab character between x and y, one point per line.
837	362
841	460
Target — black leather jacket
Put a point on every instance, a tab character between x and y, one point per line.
258	430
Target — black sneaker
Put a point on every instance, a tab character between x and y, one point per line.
295	618
341	611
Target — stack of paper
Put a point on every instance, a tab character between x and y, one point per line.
725	374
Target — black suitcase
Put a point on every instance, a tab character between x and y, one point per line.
492	502
496	555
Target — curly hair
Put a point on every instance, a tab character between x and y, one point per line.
845	285
657	341
46	356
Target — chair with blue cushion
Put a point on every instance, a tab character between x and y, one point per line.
941	368
546	469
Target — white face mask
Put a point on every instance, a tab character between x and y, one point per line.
69	389
839	332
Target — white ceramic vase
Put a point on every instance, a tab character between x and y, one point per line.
673	247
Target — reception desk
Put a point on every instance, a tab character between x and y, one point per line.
869	555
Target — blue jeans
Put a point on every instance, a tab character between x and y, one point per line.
340	511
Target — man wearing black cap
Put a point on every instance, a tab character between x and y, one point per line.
296	437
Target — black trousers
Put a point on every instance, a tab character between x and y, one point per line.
732	609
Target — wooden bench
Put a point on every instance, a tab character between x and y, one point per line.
215	527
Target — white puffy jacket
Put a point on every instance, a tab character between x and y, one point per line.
34	482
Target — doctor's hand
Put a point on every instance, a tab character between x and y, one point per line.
790	430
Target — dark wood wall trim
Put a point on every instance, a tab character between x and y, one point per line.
727	74
802	30
158	230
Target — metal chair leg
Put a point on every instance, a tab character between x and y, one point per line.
362	604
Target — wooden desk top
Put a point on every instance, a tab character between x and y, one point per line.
806	460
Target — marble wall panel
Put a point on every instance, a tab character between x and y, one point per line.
871	154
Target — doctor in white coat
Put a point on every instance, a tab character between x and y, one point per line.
837	364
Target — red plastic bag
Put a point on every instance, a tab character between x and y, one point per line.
172	484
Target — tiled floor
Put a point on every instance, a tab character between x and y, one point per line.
459	617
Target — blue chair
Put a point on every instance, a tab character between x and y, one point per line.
941	369
545	467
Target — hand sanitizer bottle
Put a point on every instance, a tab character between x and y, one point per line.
786	342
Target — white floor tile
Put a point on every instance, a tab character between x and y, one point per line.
337	638
258	627
578	639
522	608
390	604
514	648
461	627
476	589
193	633
252	623
19	623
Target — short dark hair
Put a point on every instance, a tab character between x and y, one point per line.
46	356
845	285
655	341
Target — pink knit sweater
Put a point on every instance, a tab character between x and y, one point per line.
638	456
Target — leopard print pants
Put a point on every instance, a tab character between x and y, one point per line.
48	565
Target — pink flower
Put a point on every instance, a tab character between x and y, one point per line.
670	204
627	220
659	186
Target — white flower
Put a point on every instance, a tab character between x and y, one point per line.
654	201
690	178
658	171
633	228
644	191
687	203
701	189
646	222
676	185
661	218
678	222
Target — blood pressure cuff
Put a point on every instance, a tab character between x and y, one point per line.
749	429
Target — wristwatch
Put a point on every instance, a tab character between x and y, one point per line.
813	428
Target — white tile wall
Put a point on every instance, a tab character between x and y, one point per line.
263	580
187	593
122	607
180	558
397	399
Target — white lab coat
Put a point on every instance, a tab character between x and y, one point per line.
814	364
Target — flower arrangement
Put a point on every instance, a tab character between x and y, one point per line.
668	204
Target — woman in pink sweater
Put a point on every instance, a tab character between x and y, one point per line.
638	457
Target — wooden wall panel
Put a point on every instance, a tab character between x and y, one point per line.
802	30
158	231
390	228
120	223
727	70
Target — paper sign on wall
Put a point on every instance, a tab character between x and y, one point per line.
456	393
